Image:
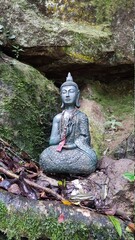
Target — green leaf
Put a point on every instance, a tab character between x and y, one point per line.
129	176
12	37
116	224
60	183
118	124
1	43
1	26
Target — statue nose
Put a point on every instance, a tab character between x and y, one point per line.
67	94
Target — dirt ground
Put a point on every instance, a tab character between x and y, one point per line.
114	137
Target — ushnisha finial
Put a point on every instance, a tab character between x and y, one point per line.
69	77
69	82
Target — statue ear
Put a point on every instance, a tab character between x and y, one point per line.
77	99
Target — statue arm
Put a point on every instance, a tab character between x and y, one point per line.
84	129
55	136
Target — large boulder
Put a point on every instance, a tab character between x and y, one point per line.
28	102
51	42
120	191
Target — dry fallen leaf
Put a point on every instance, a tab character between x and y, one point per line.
130	227
66	202
14	188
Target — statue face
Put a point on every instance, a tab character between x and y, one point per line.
69	95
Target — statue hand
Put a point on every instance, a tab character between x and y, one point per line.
70	146
69	128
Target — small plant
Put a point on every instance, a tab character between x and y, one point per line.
129	176
62	183
7	36
17	49
113	124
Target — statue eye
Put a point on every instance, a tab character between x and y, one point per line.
71	90
64	91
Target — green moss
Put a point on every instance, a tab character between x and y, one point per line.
88	43
116	97
81	57
106	9
116	100
97	139
85	10
29	102
33	226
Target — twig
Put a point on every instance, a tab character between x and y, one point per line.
32	184
5	143
8	147
14	154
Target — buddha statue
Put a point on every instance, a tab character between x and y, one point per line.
70	151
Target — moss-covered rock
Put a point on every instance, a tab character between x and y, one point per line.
103	102
96	119
28	104
51	42
35	219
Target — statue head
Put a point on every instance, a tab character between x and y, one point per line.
70	86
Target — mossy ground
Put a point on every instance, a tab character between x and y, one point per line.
116	97
116	100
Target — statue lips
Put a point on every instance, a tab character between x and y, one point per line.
68	99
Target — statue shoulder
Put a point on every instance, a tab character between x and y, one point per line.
57	118
82	115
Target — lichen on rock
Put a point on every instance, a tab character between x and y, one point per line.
28	102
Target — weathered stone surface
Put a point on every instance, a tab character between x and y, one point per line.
120	190
107	189
28	101
126	149
53	44
122	29
96	119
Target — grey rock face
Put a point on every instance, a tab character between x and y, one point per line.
126	149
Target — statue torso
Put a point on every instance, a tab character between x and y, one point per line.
77	124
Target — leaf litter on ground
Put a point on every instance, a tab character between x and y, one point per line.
21	175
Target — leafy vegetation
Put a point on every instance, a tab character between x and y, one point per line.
116	97
129	176
6	35
9	39
112	124
16	50
116	224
